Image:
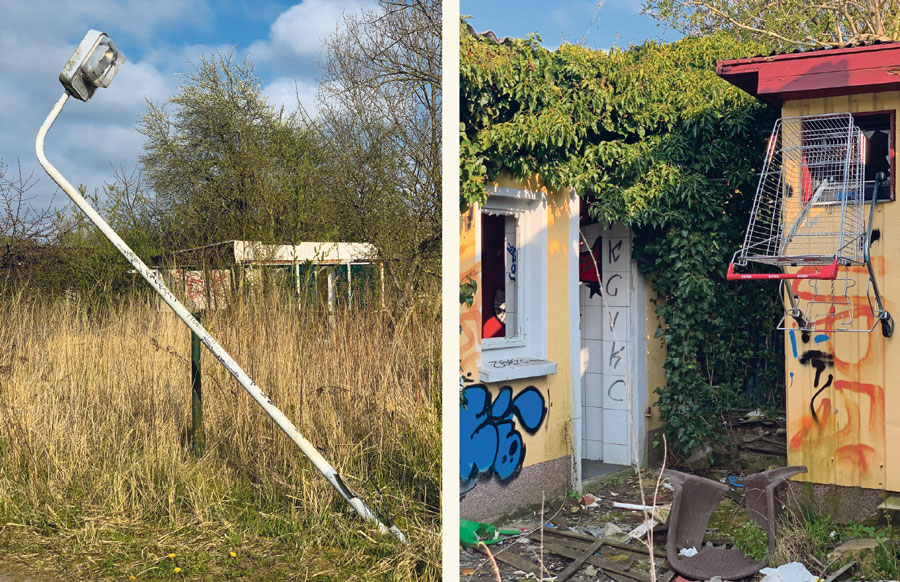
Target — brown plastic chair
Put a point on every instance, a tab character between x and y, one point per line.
695	500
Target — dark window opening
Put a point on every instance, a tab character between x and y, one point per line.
498	275
877	128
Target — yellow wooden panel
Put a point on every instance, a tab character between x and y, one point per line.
840	429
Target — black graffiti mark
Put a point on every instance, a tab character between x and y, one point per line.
804	337
610	280
609	391
512	362
615	252
876	234
812	402
818	360
612	324
615	356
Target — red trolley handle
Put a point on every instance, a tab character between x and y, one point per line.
828	272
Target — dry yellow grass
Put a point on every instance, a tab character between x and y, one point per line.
96	474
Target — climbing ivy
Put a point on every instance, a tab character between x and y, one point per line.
650	137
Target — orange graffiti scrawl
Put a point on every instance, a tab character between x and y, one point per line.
856	441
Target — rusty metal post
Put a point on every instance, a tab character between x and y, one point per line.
198	441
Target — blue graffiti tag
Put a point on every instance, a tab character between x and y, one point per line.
512	261
488	439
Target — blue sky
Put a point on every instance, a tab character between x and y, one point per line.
159	39
576	21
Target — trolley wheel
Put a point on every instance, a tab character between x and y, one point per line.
887	326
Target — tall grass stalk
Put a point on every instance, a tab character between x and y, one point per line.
96	474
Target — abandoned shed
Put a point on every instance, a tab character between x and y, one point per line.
843	408
325	273
538	343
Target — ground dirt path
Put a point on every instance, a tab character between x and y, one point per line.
15	573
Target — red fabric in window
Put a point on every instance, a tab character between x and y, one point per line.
587	273
493	273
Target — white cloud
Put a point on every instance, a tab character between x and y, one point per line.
285	92
302	29
38	36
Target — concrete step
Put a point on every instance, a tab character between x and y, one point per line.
890	504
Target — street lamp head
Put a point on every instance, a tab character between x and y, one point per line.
94	64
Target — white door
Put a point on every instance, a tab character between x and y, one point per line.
608	338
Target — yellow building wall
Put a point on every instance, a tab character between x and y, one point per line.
552	439
839	426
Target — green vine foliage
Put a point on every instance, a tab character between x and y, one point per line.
650	137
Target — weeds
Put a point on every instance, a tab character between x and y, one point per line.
96	475
750	538
809	538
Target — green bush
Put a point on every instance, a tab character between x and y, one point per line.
649	137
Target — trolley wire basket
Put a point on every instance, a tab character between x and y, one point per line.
808	208
808	213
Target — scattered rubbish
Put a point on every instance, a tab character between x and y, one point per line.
641	530
660	512
688	552
754	414
633	506
589	501
527	567
471	533
891	504
610	558
467	571
793	572
841	572
699	459
764	444
853	547
592	530
549	524
735	481
579	562
668	486
614	494
613	532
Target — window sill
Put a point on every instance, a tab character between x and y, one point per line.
515	369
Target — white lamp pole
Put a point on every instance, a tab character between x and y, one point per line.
93	65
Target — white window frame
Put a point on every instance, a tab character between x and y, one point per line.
524	354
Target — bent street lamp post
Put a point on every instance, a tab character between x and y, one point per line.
93	65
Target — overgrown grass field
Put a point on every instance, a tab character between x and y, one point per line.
97	478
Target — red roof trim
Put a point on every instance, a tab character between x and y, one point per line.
777	78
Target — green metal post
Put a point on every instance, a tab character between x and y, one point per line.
197	440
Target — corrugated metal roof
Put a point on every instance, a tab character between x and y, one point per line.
487	35
826	48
